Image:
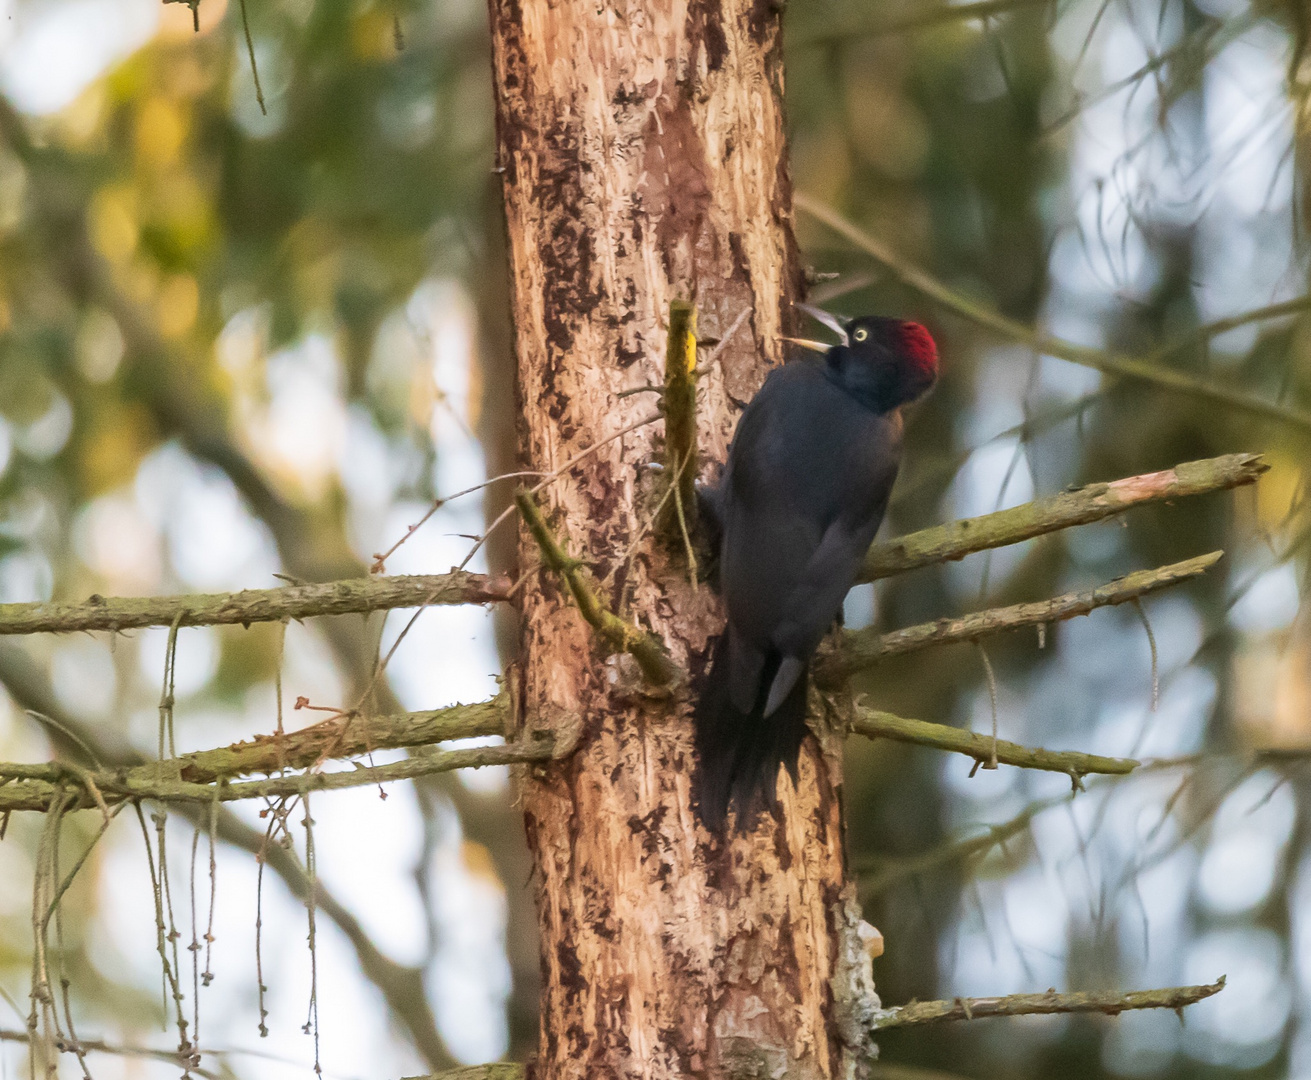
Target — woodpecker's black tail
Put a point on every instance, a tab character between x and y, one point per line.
739	753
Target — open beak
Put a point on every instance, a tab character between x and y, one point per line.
807	343
831	321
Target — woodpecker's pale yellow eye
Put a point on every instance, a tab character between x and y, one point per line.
861	334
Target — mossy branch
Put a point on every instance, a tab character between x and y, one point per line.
1093	502
984	748
1112	1004
621	636
862	649
678	402
349	596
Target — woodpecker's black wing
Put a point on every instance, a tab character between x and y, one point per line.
805	487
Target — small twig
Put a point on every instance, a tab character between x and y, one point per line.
554	475
1151	641
250	51
688	548
991	763
879	875
380	559
1112	1004
622	636
311	901
718	351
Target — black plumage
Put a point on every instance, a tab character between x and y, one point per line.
807	481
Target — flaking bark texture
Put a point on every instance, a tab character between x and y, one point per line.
641	147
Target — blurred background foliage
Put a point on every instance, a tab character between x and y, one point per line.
250	329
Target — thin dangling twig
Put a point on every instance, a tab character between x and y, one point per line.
1151	641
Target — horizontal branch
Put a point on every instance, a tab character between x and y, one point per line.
862	649
339	737
205	776
622	636
980	314
1093	502
349	596
984	748
358	595
1112	1004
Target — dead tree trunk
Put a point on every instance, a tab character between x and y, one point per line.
642	151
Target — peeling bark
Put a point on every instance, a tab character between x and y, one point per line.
642	152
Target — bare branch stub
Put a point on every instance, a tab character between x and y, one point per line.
679	405
1111	1004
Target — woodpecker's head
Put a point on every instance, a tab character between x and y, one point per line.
881	361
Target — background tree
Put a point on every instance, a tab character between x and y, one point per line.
238	342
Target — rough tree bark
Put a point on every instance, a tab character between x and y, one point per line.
642	151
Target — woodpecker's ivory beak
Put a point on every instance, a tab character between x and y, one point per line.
807	343
831	321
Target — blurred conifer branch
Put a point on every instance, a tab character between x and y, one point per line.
921	20
1144	370
879	874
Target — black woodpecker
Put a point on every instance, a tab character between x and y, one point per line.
807	481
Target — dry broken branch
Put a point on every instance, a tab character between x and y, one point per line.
1112	1004
254	605
861	649
1093	502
